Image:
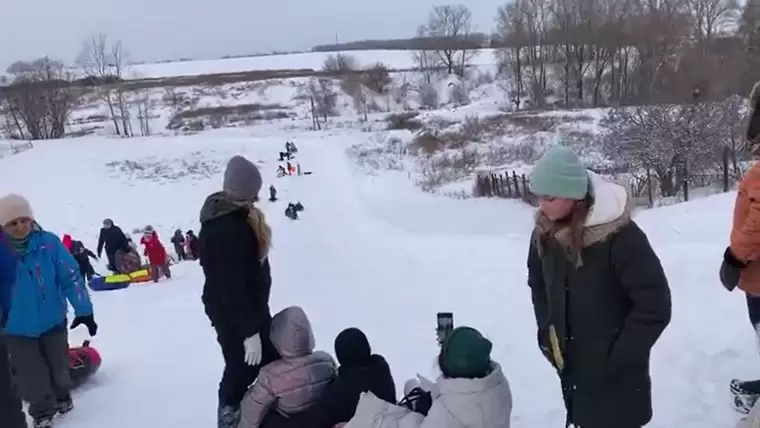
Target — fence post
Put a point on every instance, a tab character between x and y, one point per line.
524	185
517	188
650	191
508	185
685	190
495	185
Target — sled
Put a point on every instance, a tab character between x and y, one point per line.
139	276
84	361
110	282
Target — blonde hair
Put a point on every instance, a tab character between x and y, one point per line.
261	229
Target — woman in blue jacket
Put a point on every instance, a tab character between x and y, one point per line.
10	405
35	331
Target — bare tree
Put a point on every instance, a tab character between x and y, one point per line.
450	26
40	99
104	64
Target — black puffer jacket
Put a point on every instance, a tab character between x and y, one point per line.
236	290
608	307
338	402
113	239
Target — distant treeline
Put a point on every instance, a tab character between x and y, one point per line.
471	41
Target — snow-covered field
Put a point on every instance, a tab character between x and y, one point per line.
398	60
368	251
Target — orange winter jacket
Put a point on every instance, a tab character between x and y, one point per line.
745	233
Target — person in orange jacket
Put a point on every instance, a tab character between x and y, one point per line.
156	254
741	260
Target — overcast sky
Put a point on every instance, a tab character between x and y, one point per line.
167	29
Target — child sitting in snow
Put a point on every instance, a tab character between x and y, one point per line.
156	254
295	381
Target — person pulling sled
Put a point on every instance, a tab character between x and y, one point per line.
114	240
156	254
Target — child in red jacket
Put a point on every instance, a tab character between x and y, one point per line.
156	254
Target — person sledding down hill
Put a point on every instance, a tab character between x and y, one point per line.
35	331
156	254
116	243
82	256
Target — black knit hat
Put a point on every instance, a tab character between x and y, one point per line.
352	348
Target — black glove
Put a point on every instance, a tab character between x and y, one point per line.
418	400
87	320
730	270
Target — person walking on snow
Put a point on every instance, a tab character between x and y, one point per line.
35	331
178	240
600	295
233	245
114	240
82	255
191	244
740	267
11	412
156	254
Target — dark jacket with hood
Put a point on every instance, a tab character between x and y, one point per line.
600	309
236	290
113	239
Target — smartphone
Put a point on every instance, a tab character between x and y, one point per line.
444	325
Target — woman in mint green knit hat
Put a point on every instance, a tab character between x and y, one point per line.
599	292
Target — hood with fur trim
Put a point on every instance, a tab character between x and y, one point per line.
611	210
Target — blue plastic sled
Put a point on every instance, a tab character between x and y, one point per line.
108	283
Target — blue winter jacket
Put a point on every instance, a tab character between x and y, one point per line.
7	276
46	277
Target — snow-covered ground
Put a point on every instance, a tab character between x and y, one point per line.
370	251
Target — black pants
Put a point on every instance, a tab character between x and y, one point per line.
10	405
86	269
238	375
41	368
753	308
111	256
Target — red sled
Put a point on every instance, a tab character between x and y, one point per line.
84	361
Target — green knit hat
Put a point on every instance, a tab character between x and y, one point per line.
560	174
466	353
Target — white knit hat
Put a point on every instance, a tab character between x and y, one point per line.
14	206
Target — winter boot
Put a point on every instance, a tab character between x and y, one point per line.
228	417
64	405
745	394
43	422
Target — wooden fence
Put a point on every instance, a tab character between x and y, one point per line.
505	185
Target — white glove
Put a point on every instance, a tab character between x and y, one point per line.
252	347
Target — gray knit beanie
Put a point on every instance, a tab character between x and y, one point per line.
560	174
242	180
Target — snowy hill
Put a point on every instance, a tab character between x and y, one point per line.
369	250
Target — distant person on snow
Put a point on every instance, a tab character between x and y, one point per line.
234	244
740	267
11	412
294	382
112	237
599	293
82	256
291	212
360	371
35	331
156	254
191	245
178	240
272	193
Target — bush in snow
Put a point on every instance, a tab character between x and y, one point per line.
196	166
406	120
428	96
337	63
458	94
377	78
446	167
379	153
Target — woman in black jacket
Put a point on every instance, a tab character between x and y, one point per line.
234	244
599	293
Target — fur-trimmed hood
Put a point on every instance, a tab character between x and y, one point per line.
753	125
611	210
